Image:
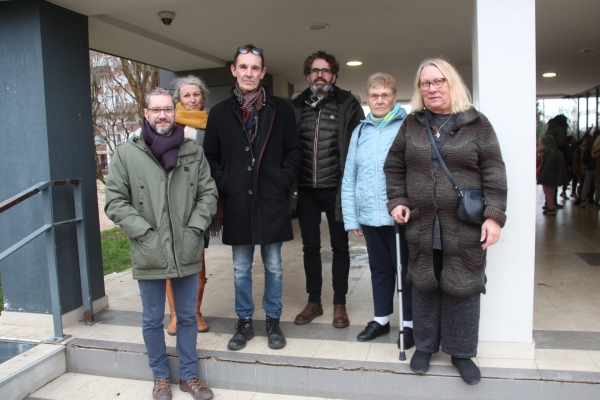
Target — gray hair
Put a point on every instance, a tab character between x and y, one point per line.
157	91
190	80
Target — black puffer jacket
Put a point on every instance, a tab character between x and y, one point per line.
256	207
349	115
318	130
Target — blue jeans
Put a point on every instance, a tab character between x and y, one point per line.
153	302
242	278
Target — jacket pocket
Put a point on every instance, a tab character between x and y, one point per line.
146	252
192	247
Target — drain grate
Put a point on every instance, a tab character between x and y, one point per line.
590	258
9	350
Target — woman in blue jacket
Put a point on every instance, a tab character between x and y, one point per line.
364	202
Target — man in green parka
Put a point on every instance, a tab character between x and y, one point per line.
160	192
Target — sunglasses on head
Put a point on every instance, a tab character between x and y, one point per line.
246	50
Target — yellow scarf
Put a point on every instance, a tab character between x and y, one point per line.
194	118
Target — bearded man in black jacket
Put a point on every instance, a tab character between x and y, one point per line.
253	149
326	116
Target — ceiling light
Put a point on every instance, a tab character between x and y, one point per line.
587	50
549	75
316	27
354	63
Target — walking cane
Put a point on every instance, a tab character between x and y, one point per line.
399	284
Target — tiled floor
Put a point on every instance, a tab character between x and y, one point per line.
566	315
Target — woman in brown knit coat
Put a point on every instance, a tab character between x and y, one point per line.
447	255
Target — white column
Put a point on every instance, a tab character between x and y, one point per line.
504	90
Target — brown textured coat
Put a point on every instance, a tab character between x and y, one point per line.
472	154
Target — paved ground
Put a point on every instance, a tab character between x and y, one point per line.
78	386
105	223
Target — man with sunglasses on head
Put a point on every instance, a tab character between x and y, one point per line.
160	192
253	149
326	116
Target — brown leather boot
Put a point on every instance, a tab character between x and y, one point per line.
340	318
310	312
202	325
172	328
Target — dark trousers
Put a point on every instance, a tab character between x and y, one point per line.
311	203
442	318
381	248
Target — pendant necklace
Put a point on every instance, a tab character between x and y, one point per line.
437	131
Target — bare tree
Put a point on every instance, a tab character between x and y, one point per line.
118	87
141	78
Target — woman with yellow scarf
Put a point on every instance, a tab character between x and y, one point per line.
191	94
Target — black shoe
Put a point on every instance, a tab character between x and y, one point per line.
276	338
244	331
373	330
419	363
559	205
578	202
467	369
409	339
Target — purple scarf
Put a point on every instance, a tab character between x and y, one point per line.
165	149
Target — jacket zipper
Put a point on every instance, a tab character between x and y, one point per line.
316	149
170	221
377	177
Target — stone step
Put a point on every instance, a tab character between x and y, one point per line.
334	377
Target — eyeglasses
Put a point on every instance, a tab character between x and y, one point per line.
246	50
384	96
156	111
324	71
437	83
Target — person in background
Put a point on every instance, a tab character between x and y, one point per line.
551	171
590	172
364	202
573	166
447	255
557	128
191	94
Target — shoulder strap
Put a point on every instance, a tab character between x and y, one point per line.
437	154
360	130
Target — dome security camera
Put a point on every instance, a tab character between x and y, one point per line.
166	17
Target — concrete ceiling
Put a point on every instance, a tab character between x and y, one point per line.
386	35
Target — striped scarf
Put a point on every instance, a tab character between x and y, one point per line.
251	103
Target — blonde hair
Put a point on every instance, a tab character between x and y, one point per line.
460	97
382	79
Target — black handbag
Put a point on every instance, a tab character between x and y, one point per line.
471	205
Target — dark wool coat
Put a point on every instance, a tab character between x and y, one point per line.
472	154
349	115
256	205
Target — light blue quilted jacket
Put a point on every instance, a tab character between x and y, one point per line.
364	195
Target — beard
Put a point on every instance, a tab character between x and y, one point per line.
327	84
163	131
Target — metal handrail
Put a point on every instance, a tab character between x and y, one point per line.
48	228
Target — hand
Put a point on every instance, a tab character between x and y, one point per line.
490	233
357	232
401	214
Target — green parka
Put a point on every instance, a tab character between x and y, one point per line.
157	209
